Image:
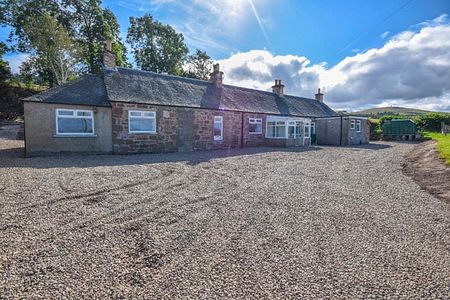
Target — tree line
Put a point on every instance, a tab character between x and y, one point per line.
66	38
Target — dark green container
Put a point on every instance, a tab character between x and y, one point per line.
399	127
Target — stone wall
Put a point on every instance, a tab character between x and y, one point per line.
187	129
203	123
253	140
164	140
177	129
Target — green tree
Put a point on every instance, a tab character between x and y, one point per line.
156	47
5	72
117	46
84	20
198	65
52	47
18	14
93	26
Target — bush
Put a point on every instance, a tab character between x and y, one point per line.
432	121
375	129
428	122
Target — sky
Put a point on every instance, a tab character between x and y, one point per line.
363	54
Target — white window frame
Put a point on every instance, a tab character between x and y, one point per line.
307	125
313	128
276	123
141	117
352	124
75	116
358	125
255	121
218	119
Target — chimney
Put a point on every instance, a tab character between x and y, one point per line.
319	96
216	76
109	58
278	88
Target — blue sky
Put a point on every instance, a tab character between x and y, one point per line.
363	53
326	30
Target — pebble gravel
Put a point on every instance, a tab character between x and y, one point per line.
254	223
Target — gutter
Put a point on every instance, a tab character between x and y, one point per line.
340	139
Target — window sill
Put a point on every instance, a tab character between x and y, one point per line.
255	133
141	132
74	135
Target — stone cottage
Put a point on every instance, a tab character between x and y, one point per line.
131	111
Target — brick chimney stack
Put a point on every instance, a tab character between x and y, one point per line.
109	58
278	88
319	96
216	76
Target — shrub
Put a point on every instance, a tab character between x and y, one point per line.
375	129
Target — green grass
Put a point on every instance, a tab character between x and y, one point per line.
443	144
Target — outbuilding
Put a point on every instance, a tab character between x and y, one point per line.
342	130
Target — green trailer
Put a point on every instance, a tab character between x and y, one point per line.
403	129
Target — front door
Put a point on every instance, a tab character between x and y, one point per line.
295	132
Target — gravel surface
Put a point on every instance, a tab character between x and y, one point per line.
319	222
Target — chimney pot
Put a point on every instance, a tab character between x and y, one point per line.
278	88
216	76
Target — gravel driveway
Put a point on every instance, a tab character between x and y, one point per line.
321	222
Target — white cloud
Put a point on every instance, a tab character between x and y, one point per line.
411	69
384	35
259	68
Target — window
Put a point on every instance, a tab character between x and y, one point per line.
313	128
255	126
307	129
276	129
74	122
218	128
358	125
295	129
352	124
141	121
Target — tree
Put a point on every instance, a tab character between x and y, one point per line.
5	72
198	65
85	21
156	47
93	26
117	46
52	47
18	14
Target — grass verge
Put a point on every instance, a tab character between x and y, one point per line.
443	144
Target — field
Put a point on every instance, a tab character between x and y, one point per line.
254	223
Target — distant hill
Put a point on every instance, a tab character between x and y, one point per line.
391	111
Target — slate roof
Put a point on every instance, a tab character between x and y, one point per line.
135	86
85	90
